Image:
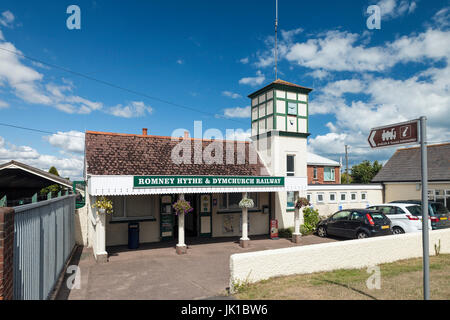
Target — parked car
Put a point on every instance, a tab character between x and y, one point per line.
355	223
405	217
439	214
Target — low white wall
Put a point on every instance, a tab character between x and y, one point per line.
350	254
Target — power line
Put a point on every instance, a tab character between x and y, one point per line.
38	130
110	84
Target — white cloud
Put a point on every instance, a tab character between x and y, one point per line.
132	110
6	18
179	61
27	84
70	141
442	18
231	95
244	60
391	9
67	167
345	51
3	104
319	74
253	81
237	112
239	134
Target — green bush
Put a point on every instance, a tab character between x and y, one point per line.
311	219
286	233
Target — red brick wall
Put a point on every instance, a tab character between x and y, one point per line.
320	171
6	253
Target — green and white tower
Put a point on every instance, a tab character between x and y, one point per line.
279	126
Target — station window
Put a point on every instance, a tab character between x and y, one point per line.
364	196
315	173
231	200
353	196
343	196
290	165
290	199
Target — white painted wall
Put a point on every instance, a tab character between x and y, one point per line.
261	265
373	193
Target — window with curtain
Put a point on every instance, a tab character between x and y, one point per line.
328	174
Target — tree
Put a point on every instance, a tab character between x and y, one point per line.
365	171
344	178
54	188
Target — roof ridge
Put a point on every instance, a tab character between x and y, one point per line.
160	137
428	145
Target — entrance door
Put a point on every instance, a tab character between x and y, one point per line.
205	219
190	219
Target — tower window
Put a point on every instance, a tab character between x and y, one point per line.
290	165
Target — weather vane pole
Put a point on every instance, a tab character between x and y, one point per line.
276	46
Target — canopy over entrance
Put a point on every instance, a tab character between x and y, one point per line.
141	185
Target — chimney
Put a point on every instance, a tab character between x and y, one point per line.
144	131
186	134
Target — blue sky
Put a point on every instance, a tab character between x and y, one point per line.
209	55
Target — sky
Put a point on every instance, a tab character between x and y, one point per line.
162	65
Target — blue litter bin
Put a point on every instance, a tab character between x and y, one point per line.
133	235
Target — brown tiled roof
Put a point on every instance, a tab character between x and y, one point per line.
405	165
131	154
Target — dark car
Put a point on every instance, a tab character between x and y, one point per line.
355	223
439	214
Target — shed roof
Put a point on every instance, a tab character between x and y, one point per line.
14	174
405	165
131	154
314	159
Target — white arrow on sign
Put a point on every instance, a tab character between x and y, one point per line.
371	141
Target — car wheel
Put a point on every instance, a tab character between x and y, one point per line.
397	230
322	232
362	235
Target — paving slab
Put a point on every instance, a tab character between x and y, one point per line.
155	271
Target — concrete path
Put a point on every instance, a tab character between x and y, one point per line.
155	271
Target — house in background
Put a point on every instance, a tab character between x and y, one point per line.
401	175
322	170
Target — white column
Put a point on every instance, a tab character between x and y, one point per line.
244	239
181	230
100	237
296	235
181	246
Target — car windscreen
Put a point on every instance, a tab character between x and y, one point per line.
439	208
415	210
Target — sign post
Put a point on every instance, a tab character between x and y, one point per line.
425	236
408	133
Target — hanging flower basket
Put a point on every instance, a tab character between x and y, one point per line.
246	203
182	206
103	205
302	202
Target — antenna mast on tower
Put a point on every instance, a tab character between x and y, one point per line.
276	46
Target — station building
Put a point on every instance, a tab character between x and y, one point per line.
145	174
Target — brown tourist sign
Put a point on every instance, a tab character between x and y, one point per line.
395	134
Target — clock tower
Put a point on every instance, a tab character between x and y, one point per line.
279	120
